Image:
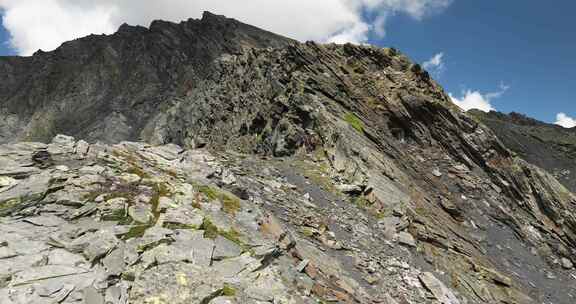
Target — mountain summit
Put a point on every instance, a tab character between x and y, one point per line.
214	162
109	87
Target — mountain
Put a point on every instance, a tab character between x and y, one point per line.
213	162
108	87
548	146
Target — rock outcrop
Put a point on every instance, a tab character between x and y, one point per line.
274	172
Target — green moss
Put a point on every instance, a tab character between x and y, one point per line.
175	226
136	231
307	231
354	122
232	235
319	153
129	276
228	291
210	230
208	191
318	174
421	211
7	204
230	202
361	202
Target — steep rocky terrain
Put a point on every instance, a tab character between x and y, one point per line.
548	146
268	171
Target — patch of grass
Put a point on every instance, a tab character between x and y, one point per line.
160	190
354	122
208	191
231	235
175	226
210	230
138	171
230	202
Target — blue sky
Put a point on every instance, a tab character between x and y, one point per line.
527	46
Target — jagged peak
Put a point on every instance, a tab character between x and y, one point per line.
127	28
208	16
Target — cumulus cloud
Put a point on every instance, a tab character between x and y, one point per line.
565	121
45	24
476	100
435	65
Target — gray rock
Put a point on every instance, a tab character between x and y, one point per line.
32	275
302	265
102	243
6	181
223	300
163	254
181	216
350	189
407	239
114	262
92	296
63	257
224	248
140	213
82	148
438	289
168	152
7	252
199	249
45	220
566	263
92	170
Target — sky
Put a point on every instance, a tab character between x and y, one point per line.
515	55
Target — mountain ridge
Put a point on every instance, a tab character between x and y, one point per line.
341	173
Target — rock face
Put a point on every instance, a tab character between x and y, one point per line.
548	146
270	171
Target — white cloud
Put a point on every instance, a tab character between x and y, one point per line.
45	24
435	65
477	100
473	100
565	121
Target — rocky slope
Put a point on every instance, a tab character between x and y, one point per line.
548	146
274	171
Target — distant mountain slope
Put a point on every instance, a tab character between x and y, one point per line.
548	146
